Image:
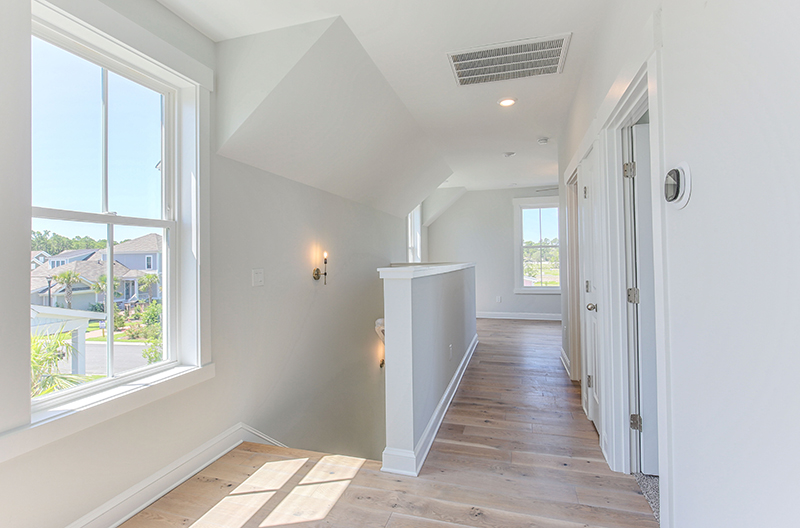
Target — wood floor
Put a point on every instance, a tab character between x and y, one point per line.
515	450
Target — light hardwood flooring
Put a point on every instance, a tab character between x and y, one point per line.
515	450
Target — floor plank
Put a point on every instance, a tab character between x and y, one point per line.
514	450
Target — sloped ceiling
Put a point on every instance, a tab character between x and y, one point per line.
308	103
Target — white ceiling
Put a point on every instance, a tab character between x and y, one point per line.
409	40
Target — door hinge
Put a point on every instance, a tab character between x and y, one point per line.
629	169
633	295
589	381
636	422
587	287
585	192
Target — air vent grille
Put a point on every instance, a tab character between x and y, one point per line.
511	60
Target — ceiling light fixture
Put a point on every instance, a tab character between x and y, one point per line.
543	140
509	154
507	102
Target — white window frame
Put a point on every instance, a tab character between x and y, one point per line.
519	205
148	262
180	216
414	235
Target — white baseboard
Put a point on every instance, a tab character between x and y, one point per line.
130	502
520	315
566	362
405	462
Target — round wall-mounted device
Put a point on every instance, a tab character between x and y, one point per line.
678	186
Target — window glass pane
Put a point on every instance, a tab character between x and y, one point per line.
550	269
138	340
134	148
66	123
550	225
530	226
531	266
67	305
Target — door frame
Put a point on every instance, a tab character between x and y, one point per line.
642	94
644	78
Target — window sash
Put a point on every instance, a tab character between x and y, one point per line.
167	222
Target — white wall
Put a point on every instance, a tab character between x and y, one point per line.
442	317
479	228
15	199
430	336
728	111
295	359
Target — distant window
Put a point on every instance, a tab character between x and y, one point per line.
537	266
148	262
414	234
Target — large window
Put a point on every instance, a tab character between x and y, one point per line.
537	266
99	201
112	188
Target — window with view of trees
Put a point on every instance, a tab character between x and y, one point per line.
539	247
102	215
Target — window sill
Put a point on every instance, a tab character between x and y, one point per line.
62	420
538	291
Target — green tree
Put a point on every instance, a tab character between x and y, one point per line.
100	286
147	282
68	278
46	351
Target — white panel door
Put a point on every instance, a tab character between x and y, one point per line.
588	224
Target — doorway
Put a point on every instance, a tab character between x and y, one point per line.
574	367
640	293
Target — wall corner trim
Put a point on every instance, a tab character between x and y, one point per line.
136	498
406	462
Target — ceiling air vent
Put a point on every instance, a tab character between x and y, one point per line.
510	60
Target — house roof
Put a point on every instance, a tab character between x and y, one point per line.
73	253
35	254
150	243
89	270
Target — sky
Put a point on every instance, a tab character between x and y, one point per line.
67	143
538	224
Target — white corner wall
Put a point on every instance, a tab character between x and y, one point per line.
479	228
727	109
15	199
294	359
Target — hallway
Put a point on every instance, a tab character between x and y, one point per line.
515	450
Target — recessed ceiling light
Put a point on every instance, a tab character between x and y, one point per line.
509	154
507	102
543	140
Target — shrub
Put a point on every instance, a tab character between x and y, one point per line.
152	314
134	331
153	353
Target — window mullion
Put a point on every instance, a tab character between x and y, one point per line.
104	146
110	301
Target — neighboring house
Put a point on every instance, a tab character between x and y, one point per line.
38	258
133	259
142	256
68	256
83	296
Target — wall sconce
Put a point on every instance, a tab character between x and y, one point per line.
317	274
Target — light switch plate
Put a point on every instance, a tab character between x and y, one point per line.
258	277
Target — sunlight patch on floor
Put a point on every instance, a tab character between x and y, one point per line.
310	500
